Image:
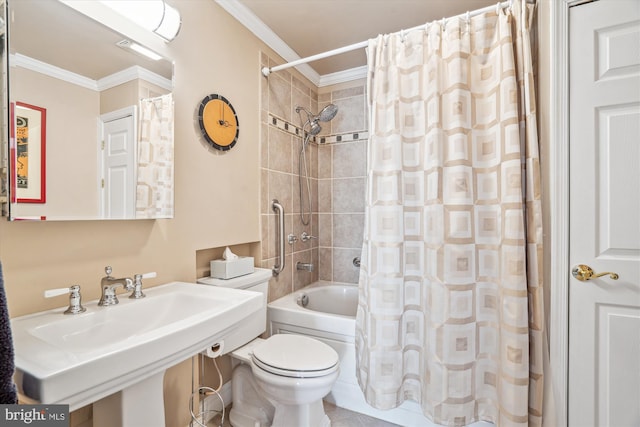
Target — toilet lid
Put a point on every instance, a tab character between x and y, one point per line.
295	356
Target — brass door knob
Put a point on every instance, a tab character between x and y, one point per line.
583	272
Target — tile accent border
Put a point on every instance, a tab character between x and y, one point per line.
292	129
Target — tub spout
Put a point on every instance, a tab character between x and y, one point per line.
304	266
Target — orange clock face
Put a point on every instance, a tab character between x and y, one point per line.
218	122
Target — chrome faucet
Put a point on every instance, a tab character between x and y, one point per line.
75	299
108	284
137	286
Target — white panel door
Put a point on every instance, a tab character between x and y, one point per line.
604	314
119	172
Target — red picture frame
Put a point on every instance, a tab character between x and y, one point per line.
28	149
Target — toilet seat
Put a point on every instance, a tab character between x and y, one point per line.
295	356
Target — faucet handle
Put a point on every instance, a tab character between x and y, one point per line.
75	299
108	270
137	285
306	236
49	293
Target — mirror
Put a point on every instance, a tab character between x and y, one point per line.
90	120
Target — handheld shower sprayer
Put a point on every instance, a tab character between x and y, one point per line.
314	128
325	115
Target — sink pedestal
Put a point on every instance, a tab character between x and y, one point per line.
139	405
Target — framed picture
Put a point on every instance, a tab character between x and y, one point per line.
28	153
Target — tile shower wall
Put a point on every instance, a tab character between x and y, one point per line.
280	145
342	160
336	161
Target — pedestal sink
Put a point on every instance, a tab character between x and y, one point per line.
116	356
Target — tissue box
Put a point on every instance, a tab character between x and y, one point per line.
223	269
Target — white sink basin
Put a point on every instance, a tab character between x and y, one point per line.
78	359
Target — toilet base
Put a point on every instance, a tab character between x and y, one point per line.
311	415
261	399
250	408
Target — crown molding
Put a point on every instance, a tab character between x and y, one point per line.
266	34
133	73
19	60
343	76
115	79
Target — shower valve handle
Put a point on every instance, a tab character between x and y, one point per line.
306	237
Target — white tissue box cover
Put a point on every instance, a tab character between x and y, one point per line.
223	269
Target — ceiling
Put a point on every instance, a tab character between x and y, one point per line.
293	28
57	35
309	27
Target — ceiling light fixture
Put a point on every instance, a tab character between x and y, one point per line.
128	44
153	15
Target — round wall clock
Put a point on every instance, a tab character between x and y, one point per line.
218	122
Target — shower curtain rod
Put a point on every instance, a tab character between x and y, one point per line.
266	70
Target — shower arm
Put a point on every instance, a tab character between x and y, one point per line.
310	117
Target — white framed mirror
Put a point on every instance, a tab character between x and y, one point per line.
89	120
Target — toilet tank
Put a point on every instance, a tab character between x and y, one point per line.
254	325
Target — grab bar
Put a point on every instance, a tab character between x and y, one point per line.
277	207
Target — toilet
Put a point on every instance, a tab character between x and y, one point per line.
279	381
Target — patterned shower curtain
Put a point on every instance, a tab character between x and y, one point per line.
451	308
154	190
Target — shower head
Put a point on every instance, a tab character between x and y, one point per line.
327	113
315	128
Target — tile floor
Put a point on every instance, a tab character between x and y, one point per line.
344	418
339	418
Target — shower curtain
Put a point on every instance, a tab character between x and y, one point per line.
450	311
154	189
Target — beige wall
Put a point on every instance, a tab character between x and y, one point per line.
217	194
71	135
127	94
121	96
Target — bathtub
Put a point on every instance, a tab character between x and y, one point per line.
329	316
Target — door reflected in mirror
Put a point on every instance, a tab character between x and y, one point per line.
109	119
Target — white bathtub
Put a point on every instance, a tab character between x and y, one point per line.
286	315
330	298
335	326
